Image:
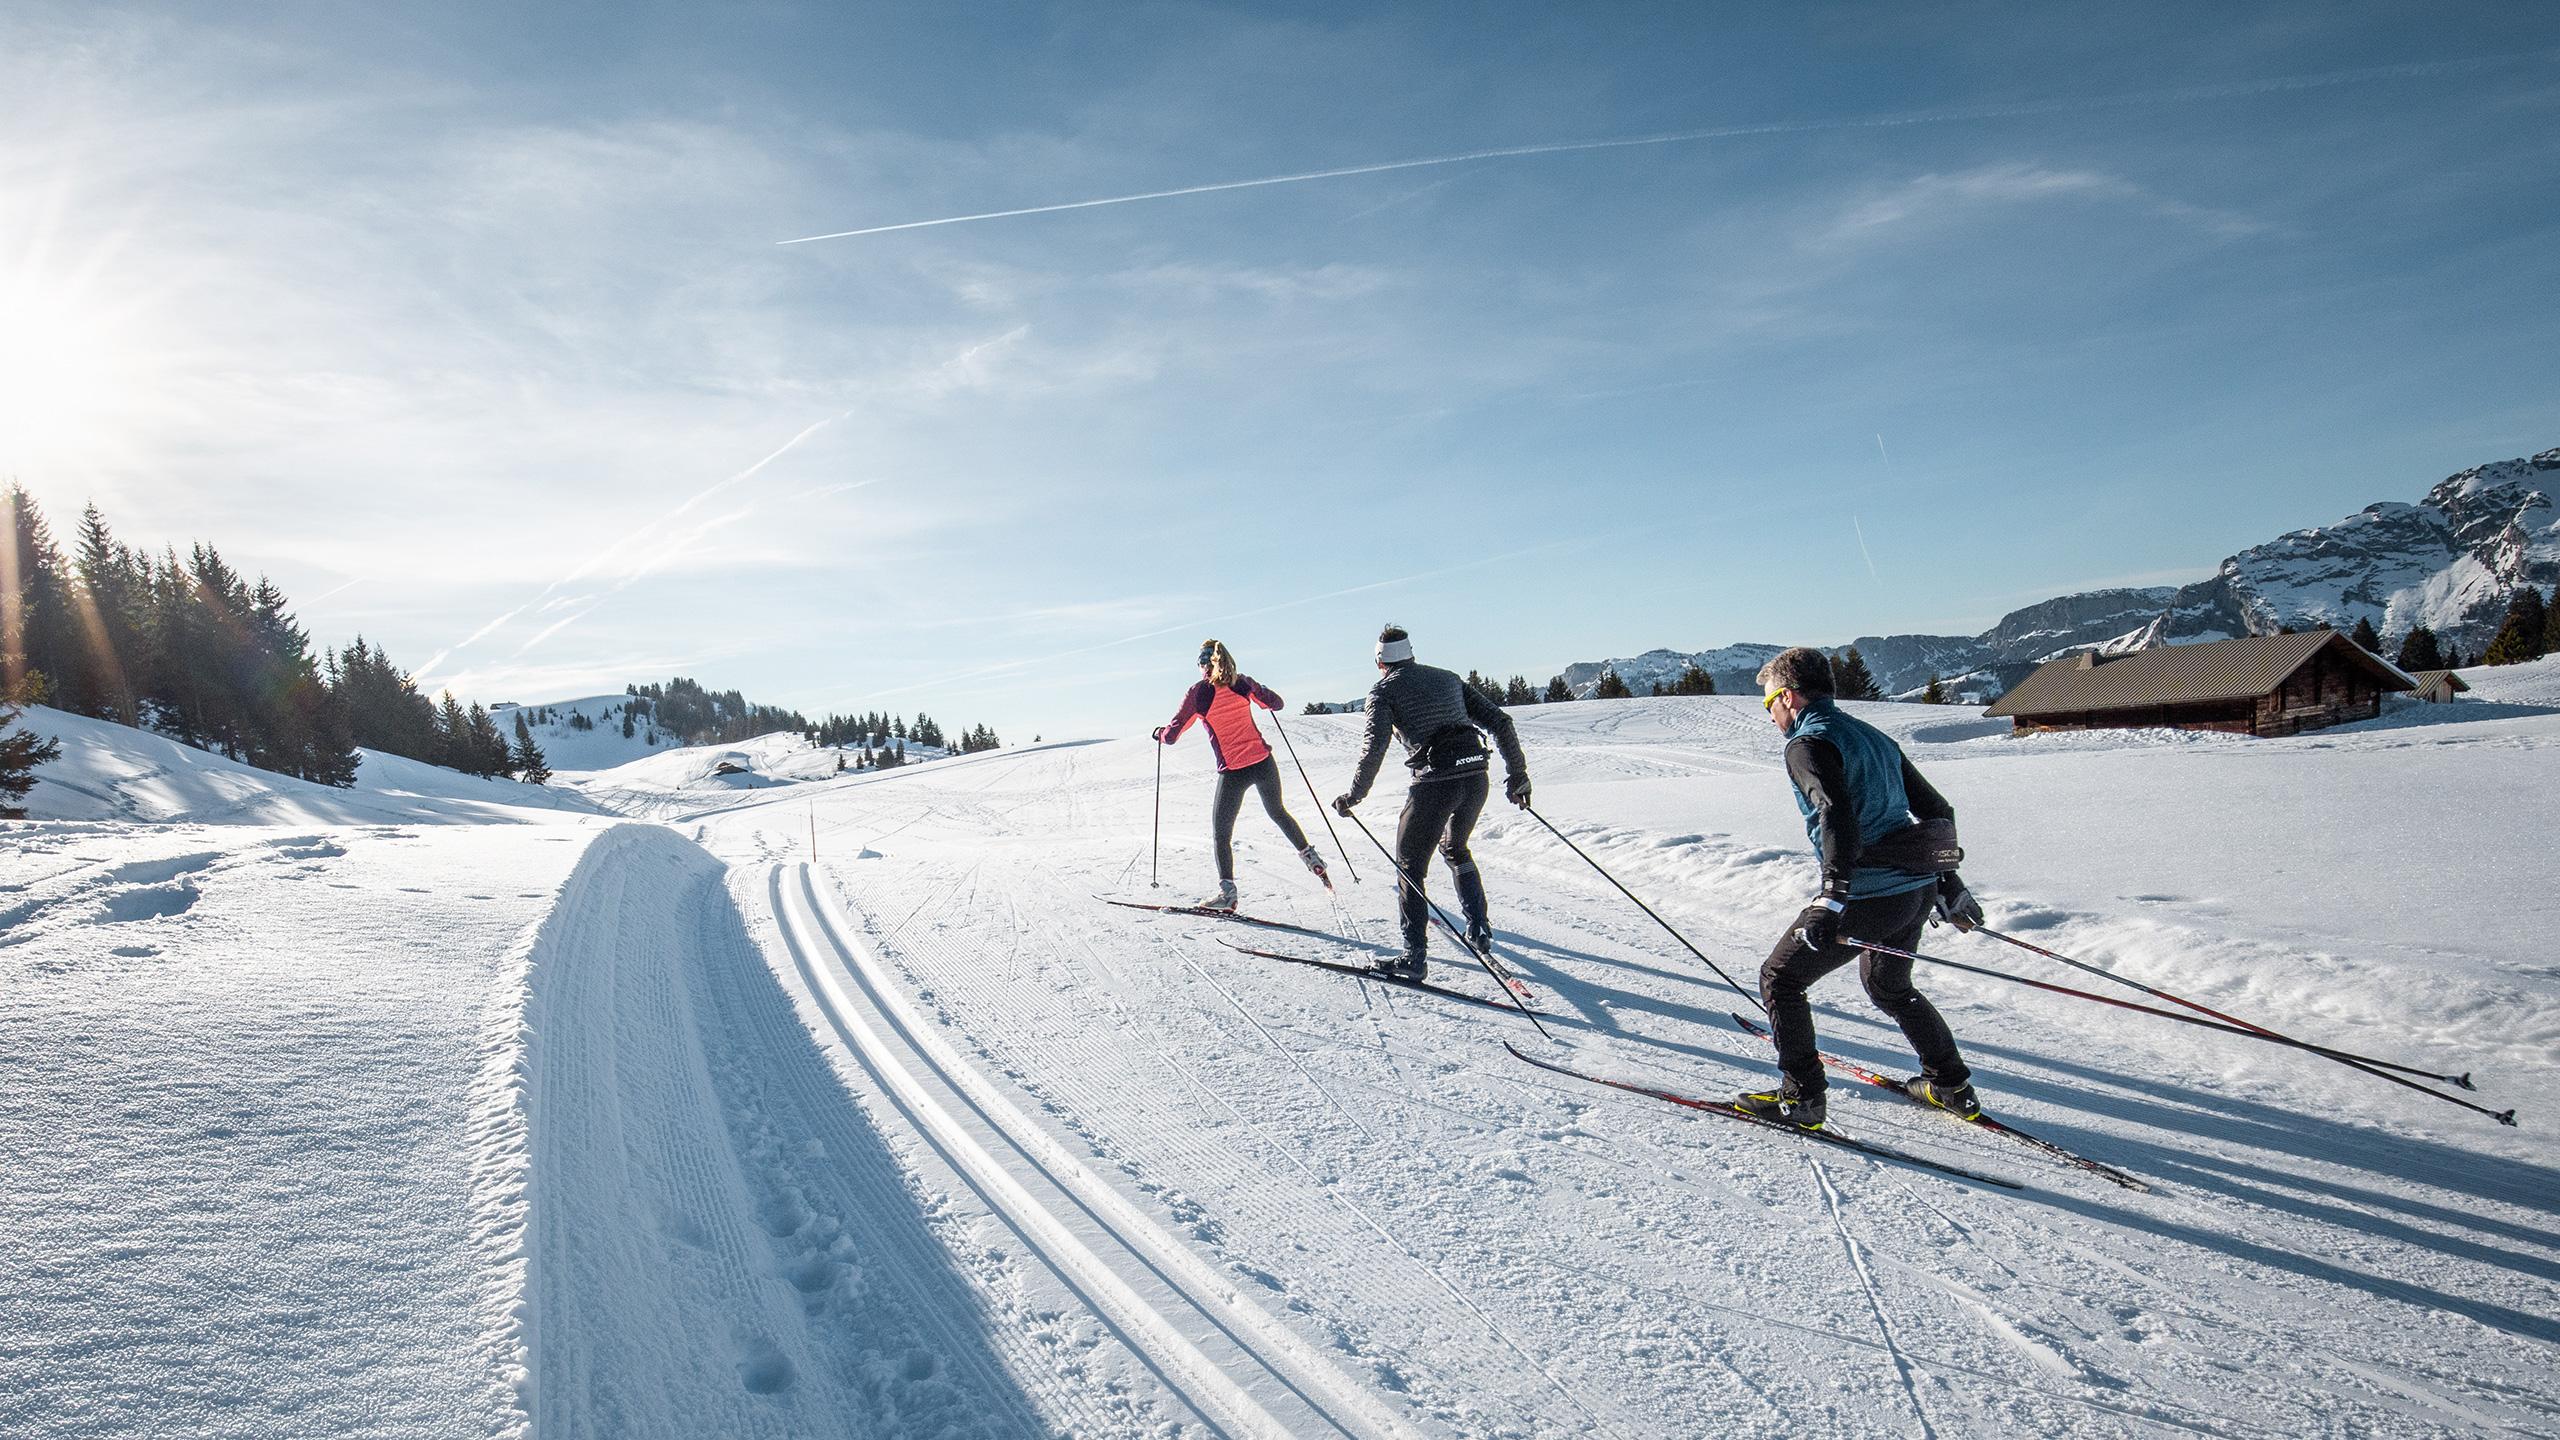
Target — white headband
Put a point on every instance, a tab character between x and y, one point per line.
1391	651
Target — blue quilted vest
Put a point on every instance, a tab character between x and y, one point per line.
1873	764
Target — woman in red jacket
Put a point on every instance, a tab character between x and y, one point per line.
1223	703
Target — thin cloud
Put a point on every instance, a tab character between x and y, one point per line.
1946	116
1011	666
1933	195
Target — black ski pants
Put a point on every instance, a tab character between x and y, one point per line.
1264	778
1439	814
1791	969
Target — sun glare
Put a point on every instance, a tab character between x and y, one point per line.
66	371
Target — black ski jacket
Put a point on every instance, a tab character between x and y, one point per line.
1438	716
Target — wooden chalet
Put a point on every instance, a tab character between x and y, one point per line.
2262	685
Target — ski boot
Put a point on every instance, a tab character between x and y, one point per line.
1225	899
1315	865
1480	939
1787	1104
1411	965
1959	1101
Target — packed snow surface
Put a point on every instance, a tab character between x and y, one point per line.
846	1108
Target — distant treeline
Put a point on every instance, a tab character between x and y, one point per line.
191	649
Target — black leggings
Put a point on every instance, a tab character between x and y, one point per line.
1791	969
1232	784
1441	815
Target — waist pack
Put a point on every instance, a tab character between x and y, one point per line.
1455	748
1923	847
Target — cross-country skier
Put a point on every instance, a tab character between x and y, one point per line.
1442	721
1860	796
1223	703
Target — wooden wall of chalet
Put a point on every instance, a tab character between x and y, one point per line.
2326	692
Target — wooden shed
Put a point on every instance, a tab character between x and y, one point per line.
2262	685
2436	687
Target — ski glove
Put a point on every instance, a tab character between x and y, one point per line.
1342	806
1819	926
1516	790
1956	905
1157	734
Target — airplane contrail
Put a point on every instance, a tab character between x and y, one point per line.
1946	116
629	539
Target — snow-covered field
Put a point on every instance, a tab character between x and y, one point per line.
842	1107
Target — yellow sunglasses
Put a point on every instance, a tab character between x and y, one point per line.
1770	702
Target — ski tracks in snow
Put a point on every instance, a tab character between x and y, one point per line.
1231	1365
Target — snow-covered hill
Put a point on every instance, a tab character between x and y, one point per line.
115	772
587	734
681	1130
2449	562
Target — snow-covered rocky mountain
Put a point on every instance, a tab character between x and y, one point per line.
1731	666
2448	562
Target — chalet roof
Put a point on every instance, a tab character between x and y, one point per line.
2449	680
2183	674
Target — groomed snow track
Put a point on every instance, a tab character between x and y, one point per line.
1233	1366
752	1215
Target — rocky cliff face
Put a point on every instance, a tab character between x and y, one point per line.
2449	562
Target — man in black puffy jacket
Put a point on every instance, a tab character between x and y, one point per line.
1442	721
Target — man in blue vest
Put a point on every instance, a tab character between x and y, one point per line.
1861	800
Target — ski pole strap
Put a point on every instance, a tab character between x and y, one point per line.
2461	1082
2503	1117
1648	910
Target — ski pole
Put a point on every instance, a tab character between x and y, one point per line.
2503	1117
1321	812
1648	910
1156	841
2462	1081
1446	924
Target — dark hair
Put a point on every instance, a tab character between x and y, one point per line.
1802	668
1391	634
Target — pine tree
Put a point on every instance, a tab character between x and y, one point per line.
2364	635
1611	687
527	759
1516	691
1936	694
2520	638
21	752
488	748
2418	651
2551	623
39	639
1850	678
1694	681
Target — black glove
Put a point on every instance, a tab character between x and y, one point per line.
1818	926
1342	806
1156	734
1956	905
1516	789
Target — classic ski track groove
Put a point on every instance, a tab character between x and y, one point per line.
1203	1151
913	1063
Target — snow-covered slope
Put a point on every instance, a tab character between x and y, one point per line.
115	772
686	1130
586	734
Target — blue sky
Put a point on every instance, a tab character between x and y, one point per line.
469	325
